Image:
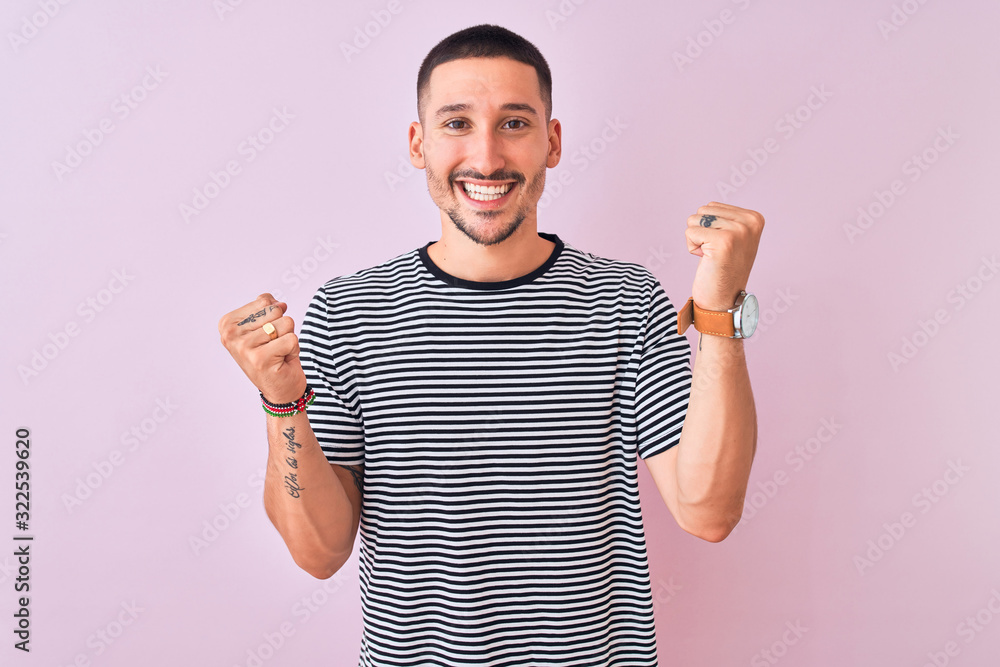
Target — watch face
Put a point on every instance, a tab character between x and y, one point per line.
748	315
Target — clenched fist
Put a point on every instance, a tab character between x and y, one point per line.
272	365
726	239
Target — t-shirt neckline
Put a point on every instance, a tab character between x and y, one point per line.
454	281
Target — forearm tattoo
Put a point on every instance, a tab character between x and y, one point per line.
252	317
291	478
358	474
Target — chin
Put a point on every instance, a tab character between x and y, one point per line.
478	234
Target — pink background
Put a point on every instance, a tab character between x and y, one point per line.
842	546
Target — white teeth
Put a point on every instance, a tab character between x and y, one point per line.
486	192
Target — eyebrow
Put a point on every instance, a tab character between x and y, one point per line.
449	109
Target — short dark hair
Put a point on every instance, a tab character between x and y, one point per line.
486	41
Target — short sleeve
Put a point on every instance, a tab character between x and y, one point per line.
335	415
663	378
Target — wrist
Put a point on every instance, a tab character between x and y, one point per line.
285	394
715	306
717	301
288	408
733	321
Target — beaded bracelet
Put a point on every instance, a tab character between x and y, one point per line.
288	409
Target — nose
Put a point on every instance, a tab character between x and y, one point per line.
486	153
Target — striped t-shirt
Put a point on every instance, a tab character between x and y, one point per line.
499	425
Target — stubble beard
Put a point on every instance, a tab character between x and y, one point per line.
485	237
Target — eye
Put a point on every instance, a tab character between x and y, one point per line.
452	122
516	120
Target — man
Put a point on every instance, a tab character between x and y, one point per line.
477	405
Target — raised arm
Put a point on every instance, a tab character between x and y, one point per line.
315	506
703	479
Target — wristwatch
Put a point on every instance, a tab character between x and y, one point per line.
737	322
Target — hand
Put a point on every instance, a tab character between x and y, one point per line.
272	365
726	238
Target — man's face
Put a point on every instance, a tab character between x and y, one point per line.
485	144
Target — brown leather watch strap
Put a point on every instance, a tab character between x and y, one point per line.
686	316
712	322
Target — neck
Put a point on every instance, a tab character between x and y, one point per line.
517	255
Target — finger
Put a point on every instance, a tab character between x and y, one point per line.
282	327
245	319
695	239
707	221
255	314
710	242
293	353
286	346
260	302
735	214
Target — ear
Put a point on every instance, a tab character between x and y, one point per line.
416	139
555	144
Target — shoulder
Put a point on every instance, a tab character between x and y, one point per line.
379	281
598	270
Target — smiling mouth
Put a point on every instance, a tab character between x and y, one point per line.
486	193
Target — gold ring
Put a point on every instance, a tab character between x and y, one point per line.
270	331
